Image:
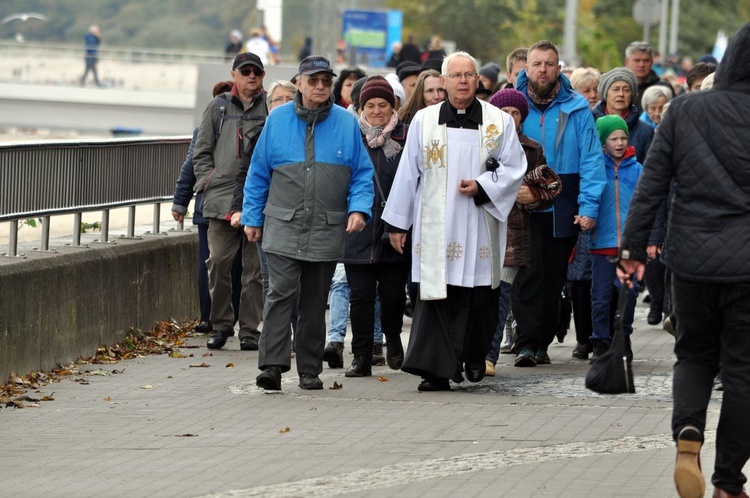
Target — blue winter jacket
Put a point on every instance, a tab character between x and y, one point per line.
568	135
621	182
640	134
310	170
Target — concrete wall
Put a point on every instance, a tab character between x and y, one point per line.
56	308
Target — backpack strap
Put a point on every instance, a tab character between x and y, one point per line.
221	102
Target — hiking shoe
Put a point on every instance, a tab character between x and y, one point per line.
269	379
360	367
310	382
525	358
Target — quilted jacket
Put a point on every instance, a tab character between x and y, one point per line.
704	144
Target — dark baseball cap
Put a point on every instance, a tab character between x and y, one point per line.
315	64
245	59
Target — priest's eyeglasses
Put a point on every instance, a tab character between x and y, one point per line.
458	76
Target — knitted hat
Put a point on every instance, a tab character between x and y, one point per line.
605	125
406	69
510	97
376	86
356	90
618	74
490	71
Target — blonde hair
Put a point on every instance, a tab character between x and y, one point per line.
583	76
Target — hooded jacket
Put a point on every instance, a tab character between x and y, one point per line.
309	171
568	136
621	181
702	144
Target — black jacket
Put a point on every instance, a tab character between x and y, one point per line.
370	245
703	143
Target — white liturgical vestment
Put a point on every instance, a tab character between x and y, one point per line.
454	241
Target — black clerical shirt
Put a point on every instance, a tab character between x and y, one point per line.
469	118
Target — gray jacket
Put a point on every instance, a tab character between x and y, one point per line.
219	153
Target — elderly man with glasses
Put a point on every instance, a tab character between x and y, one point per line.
226	138
310	182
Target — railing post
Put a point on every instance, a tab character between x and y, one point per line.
45	233
105	226
131	222
77	220
157	218
13	239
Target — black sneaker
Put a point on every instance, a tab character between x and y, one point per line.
360	367
600	347
334	354
654	314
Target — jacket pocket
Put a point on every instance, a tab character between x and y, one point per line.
336	217
279	212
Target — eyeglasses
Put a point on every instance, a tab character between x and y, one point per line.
280	99
458	76
314	80
245	71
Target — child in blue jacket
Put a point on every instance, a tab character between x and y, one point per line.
623	171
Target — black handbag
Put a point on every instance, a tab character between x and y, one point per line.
612	373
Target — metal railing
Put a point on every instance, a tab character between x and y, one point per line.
42	179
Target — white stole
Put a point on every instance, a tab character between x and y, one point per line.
432	252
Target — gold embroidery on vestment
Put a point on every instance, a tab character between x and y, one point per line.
435	153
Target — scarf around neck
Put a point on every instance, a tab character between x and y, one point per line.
379	136
546	100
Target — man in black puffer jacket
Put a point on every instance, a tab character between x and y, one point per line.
703	145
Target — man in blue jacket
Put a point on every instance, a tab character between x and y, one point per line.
561	121
310	181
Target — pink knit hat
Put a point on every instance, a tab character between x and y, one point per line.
510	97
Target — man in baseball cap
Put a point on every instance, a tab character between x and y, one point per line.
247	59
313	64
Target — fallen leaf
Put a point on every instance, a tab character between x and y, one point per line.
230	365
284	430
115	371
170	377
176	354
107	399
186	435
336	385
147	386
205	355
201	365
383	378
48	398
103	373
82	381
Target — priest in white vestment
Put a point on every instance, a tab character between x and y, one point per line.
458	179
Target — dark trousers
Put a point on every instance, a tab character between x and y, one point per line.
295	284
204	296
713	325
604	290
447	333
91	67
389	280
503	307
580	298
654	279
536	290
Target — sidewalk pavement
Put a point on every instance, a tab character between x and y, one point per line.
163	428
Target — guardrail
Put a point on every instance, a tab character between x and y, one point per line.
43	179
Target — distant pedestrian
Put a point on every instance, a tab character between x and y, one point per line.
306	50
92	41
234	46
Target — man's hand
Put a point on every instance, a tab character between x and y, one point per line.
398	241
626	268
178	216
653	251
235	219
253	233
468	188
356	223
524	195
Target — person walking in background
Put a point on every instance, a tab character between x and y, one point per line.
182	195
701	148
258	45
234	46
228	132
459	177
310	183
306	50
92	40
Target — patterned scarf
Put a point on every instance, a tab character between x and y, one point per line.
546	100
378	136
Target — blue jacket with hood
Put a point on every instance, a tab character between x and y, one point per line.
568	135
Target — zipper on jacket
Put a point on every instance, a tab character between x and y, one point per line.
617	199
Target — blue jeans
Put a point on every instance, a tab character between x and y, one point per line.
604	283
338	304
497	338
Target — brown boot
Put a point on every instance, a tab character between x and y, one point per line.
688	477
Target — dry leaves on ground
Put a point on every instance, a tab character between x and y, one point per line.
165	338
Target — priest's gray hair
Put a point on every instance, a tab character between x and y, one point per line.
455	55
